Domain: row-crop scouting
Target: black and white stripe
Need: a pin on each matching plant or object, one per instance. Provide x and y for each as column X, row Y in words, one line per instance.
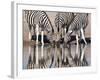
column 63, row 20
column 38, row 17
column 80, row 22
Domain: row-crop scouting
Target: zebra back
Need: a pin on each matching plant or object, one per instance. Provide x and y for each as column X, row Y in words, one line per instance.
column 80, row 21
column 38, row 17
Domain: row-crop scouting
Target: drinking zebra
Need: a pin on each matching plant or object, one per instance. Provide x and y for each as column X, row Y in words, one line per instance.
column 78, row 26
column 40, row 18
column 62, row 22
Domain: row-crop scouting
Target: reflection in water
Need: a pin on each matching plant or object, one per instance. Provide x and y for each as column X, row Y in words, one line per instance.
column 54, row 56
column 53, row 34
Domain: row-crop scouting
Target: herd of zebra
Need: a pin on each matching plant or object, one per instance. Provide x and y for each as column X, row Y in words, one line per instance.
column 66, row 24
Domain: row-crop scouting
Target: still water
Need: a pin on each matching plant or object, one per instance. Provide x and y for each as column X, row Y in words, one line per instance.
column 52, row 56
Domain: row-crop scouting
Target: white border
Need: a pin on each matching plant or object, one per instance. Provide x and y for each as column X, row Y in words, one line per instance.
column 17, row 70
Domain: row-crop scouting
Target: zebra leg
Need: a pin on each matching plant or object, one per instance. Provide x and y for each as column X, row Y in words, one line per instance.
column 76, row 54
column 77, row 45
column 82, row 55
column 83, row 50
column 83, row 37
column 29, row 35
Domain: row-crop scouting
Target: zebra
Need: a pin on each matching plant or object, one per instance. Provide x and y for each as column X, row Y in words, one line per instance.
column 34, row 17
column 79, row 24
column 62, row 22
